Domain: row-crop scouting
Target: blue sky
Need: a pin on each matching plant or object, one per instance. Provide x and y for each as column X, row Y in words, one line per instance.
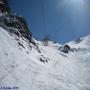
column 62, row 20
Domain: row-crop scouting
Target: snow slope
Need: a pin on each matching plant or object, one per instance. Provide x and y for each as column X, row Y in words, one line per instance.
column 22, row 66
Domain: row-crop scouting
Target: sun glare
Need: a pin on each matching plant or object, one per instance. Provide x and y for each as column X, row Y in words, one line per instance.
column 77, row 4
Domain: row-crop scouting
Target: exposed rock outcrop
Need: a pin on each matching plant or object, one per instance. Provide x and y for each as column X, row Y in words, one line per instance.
column 4, row 7
column 13, row 23
column 65, row 48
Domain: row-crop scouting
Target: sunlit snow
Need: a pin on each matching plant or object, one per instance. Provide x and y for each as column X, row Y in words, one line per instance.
column 24, row 70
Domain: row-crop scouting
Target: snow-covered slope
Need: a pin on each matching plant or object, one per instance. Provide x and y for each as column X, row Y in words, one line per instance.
column 82, row 42
column 22, row 66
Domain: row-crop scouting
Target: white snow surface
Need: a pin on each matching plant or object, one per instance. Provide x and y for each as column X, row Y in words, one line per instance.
column 21, row 67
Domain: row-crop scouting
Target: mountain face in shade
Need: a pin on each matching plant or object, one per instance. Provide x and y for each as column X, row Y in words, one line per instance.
column 12, row 22
column 4, row 7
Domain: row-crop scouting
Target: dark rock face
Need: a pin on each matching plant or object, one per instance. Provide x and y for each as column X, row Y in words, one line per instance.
column 4, row 7
column 13, row 23
column 18, row 23
column 65, row 48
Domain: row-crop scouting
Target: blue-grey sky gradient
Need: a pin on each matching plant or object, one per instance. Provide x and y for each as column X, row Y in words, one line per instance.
column 62, row 20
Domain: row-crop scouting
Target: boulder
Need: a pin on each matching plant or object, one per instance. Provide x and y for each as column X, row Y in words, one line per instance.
column 65, row 48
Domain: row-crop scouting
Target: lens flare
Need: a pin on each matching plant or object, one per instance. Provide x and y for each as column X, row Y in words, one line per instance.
column 77, row 11
column 79, row 4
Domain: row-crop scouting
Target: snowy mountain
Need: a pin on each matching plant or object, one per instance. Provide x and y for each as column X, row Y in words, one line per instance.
column 22, row 66
column 28, row 64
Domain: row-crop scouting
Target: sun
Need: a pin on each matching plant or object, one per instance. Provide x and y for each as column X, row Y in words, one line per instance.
column 76, row 4
column 80, row 2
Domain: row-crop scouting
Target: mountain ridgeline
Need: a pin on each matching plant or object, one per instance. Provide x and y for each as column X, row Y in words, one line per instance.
column 17, row 25
column 13, row 23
